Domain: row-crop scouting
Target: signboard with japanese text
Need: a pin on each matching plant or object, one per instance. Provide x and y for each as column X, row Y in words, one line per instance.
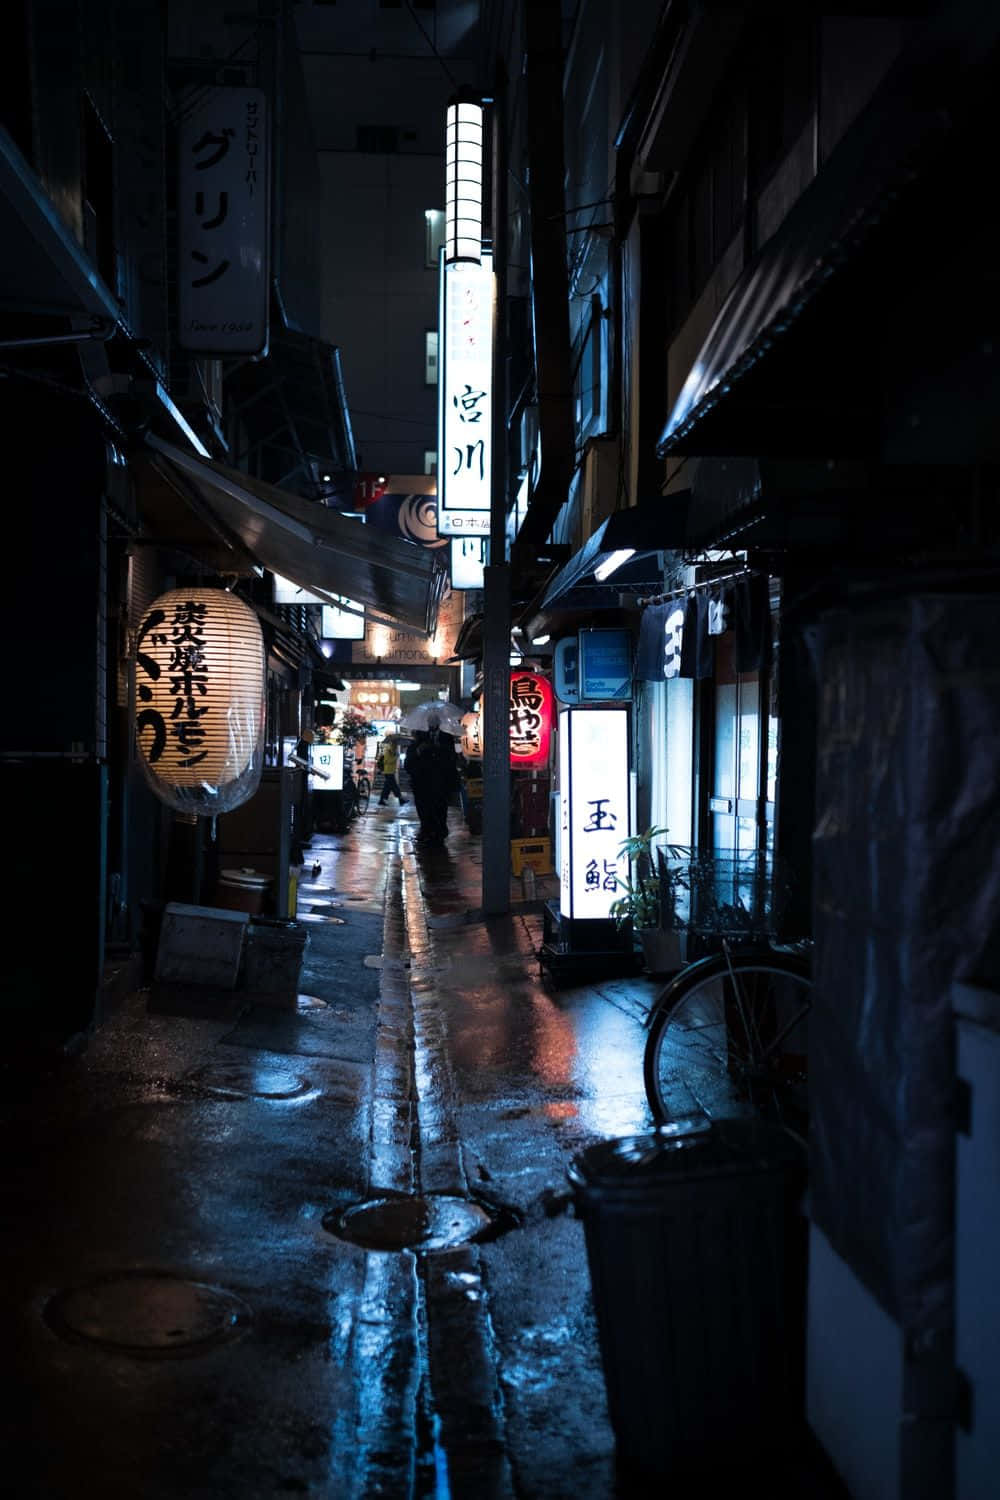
column 222, row 216
column 467, row 557
column 328, row 763
column 594, row 798
column 465, row 398
column 605, row 664
column 531, row 705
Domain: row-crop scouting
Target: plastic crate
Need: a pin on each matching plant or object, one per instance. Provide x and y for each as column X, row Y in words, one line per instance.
column 531, row 854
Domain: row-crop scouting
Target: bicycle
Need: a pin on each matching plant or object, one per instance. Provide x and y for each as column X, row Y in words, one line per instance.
column 730, row 1034
column 357, row 794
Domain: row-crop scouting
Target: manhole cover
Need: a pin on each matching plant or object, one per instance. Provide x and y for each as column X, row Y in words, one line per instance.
column 246, row 1081
column 409, row 1223
column 148, row 1313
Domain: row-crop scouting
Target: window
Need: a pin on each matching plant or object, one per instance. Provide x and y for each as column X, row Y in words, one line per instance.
column 431, row 357
column 433, row 236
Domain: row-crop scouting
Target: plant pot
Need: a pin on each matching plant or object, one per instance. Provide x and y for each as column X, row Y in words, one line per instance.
column 663, row 950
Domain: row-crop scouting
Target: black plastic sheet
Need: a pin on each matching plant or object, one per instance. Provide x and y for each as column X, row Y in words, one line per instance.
column 906, row 901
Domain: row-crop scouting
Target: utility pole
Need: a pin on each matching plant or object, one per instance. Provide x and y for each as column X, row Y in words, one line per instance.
column 496, row 580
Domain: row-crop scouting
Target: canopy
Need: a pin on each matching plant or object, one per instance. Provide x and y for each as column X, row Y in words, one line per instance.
column 322, row 551
column 652, row 527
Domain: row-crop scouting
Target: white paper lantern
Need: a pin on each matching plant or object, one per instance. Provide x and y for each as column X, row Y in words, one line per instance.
column 463, row 234
column 201, row 700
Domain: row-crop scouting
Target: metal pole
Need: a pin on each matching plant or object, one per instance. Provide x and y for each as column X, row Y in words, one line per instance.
column 496, row 581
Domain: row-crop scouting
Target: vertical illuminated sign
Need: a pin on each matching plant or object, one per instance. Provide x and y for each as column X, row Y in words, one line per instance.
column 594, row 802
column 223, row 221
column 530, row 720
column 465, row 399
column 467, row 561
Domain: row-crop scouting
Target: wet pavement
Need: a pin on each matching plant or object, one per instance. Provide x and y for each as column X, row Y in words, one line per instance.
column 195, row 1283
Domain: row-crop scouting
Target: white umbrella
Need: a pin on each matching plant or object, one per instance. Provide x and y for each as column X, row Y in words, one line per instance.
column 449, row 716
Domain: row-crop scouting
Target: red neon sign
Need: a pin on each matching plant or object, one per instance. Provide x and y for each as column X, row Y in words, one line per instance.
column 531, row 709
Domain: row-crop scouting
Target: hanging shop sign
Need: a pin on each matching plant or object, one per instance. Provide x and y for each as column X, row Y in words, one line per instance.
column 327, row 763
column 605, row 664
column 565, row 668
column 287, row 592
column 531, row 707
column 465, row 386
column 467, row 558
column 411, row 514
column 343, row 624
column 222, row 217
column 200, row 700
column 594, row 808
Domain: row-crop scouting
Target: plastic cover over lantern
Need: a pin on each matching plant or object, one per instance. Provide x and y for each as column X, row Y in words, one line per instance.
column 200, row 700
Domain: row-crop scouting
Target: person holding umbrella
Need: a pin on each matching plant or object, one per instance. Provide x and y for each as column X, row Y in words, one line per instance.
column 430, row 765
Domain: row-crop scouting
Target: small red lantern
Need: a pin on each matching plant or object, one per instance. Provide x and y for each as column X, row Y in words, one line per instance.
column 531, row 707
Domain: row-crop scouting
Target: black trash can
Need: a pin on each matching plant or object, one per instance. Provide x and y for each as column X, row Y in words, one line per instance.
column 695, row 1243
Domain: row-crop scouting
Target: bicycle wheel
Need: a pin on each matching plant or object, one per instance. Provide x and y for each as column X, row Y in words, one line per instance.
column 729, row 1036
column 364, row 794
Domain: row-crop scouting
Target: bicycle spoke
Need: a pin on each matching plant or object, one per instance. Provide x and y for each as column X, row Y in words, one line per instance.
column 734, row 1039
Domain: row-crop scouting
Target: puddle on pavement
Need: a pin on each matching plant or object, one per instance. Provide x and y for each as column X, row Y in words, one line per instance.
column 249, row 1081
column 148, row 1313
column 310, row 1002
column 410, row 1223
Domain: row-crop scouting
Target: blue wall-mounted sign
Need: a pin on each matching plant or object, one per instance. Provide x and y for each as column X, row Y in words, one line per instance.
column 605, row 665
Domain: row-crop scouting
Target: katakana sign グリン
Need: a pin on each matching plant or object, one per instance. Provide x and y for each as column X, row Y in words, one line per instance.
column 222, row 217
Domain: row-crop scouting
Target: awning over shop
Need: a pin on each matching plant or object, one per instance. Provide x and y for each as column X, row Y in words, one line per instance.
column 648, row 529
column 43, row 270
column 317, row 548
column 294, row 408
column 755, row 387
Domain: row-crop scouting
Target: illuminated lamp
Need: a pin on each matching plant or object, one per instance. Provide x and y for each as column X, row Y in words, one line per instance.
column 200, row 700
column 463, row 210
column 531, row 711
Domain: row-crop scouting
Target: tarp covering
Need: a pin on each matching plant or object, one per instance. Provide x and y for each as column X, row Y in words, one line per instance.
column 906, row 901
column 315, row 547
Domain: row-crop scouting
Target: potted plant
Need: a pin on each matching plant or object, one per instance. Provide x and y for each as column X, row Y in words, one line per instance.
column 650, row 896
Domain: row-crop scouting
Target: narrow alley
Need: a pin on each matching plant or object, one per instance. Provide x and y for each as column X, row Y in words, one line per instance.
column 180, row 1249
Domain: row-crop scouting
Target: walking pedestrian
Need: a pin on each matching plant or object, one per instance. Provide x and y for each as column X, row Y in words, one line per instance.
column 388, row 764
column 430, row 765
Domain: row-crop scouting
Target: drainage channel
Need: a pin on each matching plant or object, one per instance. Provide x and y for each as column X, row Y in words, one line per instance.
column 429, row 1418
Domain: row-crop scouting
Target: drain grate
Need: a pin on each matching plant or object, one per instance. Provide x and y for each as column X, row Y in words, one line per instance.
column 405, row 1223
column 149, row 1313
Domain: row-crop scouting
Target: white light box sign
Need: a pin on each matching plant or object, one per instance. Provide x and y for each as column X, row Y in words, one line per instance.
column 328, row 759
column 287, row 592
column 594, row 796
column 343, row 624
column 468, row 559
column 465, row 399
